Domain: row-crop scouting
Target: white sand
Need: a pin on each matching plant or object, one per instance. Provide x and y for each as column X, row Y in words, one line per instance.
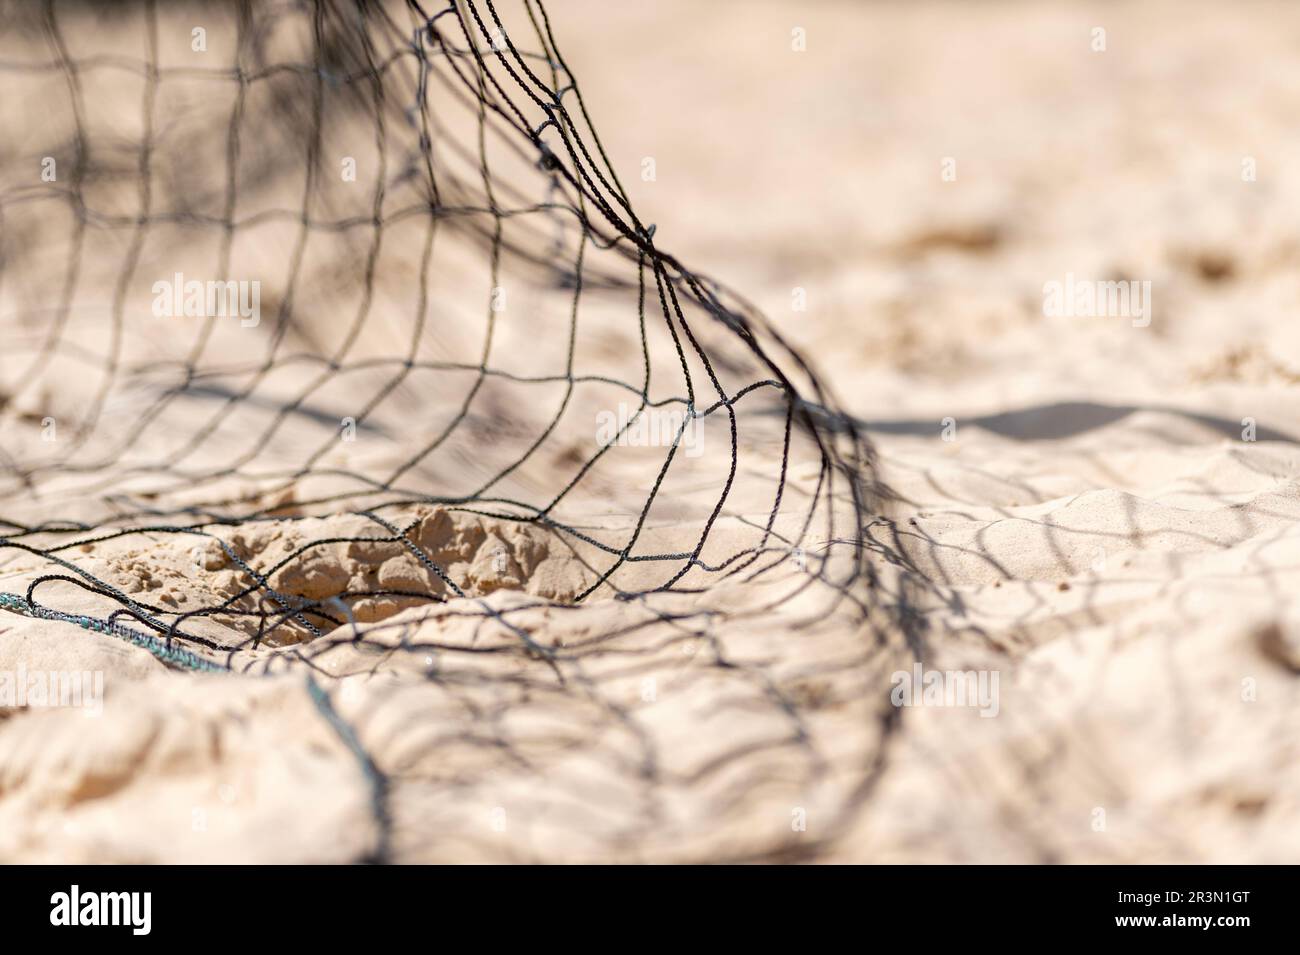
column 1097, row 533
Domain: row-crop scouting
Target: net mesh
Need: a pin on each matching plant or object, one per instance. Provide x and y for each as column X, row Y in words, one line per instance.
column 323, row 315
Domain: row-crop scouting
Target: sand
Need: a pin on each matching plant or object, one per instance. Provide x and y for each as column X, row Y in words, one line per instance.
column 1102, row 513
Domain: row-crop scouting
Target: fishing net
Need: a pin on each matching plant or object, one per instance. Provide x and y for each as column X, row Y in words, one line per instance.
column 321, row 318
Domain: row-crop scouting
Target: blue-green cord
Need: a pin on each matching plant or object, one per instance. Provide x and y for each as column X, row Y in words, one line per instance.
column 378, row 781
column 177, row 657
column 171, row 655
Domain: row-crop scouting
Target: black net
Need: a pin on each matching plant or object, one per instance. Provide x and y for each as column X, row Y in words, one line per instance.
column 318, row 318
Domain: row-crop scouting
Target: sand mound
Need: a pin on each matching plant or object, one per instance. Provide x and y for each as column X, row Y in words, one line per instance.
column 344, row 569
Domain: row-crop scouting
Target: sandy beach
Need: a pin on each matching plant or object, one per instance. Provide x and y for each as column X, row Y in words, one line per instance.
column 445, row 635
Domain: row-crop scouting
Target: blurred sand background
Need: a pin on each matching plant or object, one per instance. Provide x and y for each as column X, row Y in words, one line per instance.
column 1098, row 533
